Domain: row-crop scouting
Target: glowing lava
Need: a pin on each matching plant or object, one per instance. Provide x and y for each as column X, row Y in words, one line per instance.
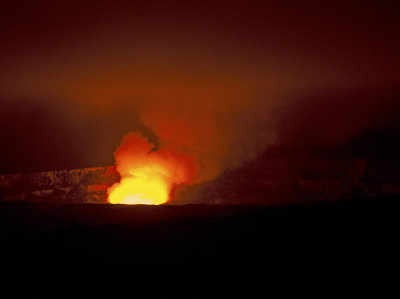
column 148, row 176
column 143, row 187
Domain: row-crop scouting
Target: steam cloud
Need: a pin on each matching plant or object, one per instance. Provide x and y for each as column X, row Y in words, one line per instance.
column 220, row 94
column 137, row 152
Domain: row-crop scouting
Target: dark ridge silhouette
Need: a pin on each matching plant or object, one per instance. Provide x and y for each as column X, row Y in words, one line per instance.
column 323, row 249
column 265, row 180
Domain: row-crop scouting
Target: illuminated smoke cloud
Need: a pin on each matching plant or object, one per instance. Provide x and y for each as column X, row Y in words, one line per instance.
column 148, row 175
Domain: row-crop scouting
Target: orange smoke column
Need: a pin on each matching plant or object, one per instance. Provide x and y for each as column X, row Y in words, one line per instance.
column 148, row 175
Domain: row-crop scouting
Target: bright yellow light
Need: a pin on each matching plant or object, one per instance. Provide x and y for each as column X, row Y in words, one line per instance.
column 147, row 176
column 141, row 189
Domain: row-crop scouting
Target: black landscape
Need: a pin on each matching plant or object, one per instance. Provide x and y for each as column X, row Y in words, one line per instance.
column 335, row 249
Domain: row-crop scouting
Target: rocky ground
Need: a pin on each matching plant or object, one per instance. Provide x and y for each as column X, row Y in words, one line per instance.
column 262, row 181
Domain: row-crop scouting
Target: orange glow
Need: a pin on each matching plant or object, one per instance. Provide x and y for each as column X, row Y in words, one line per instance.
column 145, row 186
column 148, row 176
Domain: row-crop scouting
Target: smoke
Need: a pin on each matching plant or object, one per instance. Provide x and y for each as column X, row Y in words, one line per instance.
column 210, row 107
column 219, row 95
column 136, row 152
column 148, row 175
column 197, row 133
column 217, row 131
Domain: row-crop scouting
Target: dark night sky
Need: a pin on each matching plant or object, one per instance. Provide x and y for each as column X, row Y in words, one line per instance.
column 227, row 80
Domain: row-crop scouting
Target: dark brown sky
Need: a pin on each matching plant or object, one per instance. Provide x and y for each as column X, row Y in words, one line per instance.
column 225, row 79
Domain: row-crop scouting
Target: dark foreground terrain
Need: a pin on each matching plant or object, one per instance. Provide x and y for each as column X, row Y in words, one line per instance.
column 334, row 249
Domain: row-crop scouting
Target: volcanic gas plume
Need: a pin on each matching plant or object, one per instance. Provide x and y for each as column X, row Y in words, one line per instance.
column 210, row 86
column 148, row 175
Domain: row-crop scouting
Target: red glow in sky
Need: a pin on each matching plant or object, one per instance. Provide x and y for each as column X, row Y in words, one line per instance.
column 220, row 81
